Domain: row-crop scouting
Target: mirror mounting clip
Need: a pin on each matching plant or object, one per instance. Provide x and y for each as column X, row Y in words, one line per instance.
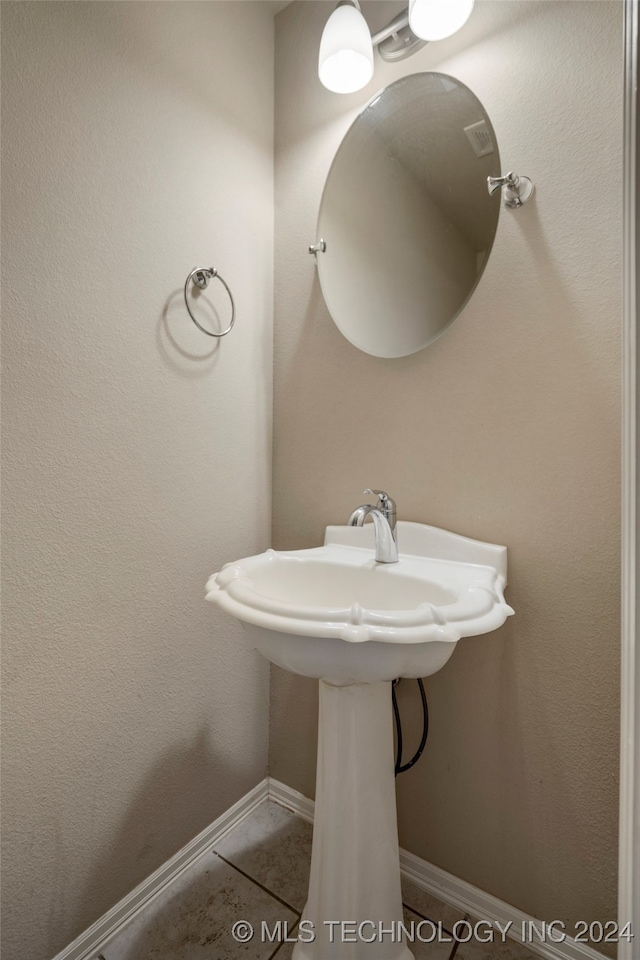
column 517, row 190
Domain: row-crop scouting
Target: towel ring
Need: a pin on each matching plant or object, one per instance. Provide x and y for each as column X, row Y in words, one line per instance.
column 201, row 277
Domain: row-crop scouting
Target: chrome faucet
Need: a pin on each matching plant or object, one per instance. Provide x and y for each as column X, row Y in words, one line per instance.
column 384, row 521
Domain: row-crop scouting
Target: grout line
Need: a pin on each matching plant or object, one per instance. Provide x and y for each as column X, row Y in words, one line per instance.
column 453, row 952
column 423, row 917
column 282, row 943
column 262, row 886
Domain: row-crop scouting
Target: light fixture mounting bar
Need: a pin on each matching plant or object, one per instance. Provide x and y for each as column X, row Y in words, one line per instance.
column 397, row 40
column 402, row 20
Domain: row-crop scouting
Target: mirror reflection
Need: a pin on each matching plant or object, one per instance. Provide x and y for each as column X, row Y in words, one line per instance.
column 406, row 216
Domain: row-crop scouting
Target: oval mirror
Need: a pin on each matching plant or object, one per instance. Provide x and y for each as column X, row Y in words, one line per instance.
column 406, row 216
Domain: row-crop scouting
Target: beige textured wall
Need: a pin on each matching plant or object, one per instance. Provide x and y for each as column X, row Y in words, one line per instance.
column 506, row 429
column 138, row 141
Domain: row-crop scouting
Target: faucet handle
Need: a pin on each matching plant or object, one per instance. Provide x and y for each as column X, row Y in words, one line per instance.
column 386, row 504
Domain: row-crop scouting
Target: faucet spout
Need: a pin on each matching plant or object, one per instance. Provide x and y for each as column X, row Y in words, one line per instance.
column 384, row 521
column 359, row 515
column 386, row 546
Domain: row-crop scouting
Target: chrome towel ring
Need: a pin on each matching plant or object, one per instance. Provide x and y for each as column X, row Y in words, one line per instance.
column 201, row 277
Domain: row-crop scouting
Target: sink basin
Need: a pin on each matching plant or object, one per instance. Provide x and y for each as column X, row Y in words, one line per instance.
column 333, row 613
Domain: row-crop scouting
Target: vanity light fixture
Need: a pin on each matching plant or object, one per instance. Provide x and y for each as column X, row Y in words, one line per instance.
column 437, row 19
column 345, row 63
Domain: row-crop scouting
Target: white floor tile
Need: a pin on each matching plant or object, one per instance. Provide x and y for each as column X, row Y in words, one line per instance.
column 429, row 906
column 192, row 919
column 438, row 949
column 286, row 950
column 477, row 950
column 273, row 846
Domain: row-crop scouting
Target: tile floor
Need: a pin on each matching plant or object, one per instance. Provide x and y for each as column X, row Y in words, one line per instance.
column 259, row 872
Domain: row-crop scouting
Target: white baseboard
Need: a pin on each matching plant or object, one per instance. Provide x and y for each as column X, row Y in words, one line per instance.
column 90, row 943
column 439, row 883
column 457, row 893
column 290, row 798
column 482, row 906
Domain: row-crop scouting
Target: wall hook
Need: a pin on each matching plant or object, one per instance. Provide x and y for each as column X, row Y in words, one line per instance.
column 517, row 190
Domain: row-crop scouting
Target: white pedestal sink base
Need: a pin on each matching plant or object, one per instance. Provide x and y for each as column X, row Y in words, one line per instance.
column 333, row 613
column 355, row 867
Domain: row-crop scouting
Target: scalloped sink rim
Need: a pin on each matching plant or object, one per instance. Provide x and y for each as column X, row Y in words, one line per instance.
column 472, row 573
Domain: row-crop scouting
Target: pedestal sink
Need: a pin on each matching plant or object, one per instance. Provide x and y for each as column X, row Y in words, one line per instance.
column 333, row 613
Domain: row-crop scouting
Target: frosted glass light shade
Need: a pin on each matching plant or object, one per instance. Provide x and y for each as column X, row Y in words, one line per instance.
column 437, row 19
column 345, row 63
